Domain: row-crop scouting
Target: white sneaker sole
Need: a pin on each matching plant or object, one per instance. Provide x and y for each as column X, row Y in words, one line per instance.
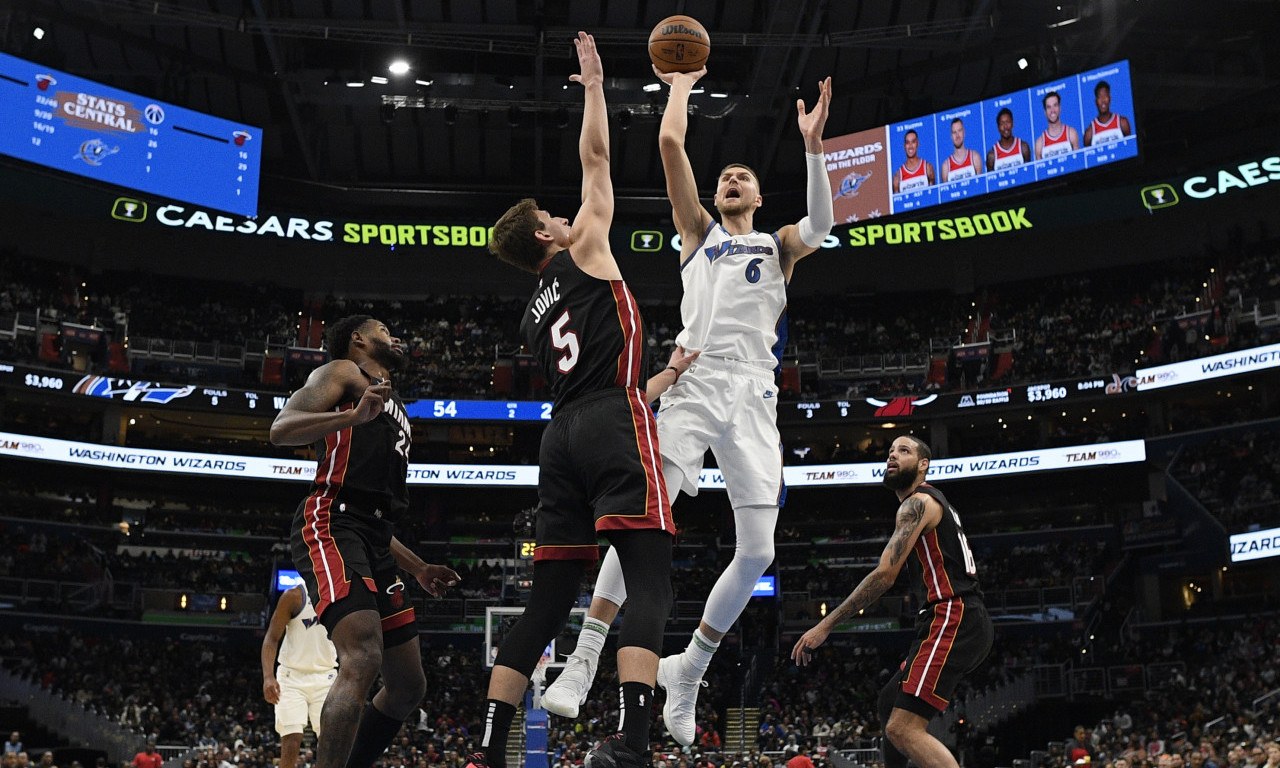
column 662, row 680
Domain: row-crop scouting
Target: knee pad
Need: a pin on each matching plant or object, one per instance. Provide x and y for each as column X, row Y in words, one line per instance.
column 646, row 563
column 555, row 590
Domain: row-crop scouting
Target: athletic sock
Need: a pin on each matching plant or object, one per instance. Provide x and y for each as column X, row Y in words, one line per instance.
column 633, row 717
column 375, row 732
column 497, row 725
column 591, row 639
column 697, row 656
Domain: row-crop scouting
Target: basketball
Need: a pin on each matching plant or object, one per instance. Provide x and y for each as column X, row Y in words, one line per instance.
column 679, row 44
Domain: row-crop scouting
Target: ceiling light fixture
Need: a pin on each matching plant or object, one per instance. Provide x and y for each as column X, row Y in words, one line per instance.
column 398, row 67
column 378, row 80
column 355, row 83
column 38, row 33
column 651, row 87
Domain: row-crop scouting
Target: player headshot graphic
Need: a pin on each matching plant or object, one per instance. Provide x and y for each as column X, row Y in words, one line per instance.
column 916, row 172
column 963, row 163
column 1057, row 139
column 1009, row 151
column 1107, row 127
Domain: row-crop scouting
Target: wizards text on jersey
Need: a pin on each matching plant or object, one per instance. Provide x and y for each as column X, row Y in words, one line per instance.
column 730, row 248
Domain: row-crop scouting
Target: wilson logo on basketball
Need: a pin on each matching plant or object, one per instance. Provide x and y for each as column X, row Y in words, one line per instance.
column 680, row 29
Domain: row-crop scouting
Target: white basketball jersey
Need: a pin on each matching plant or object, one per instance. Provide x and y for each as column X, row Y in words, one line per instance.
column 1108, row 132
column 306, row 647
column 735, row 297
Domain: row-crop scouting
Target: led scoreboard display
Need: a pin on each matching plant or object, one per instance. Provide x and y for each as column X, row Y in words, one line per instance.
column 1059, row 127
column 91, row 130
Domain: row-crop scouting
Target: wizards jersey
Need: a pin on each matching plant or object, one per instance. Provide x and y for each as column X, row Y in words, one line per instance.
column 306, row 647
column 735, row 298
column 585, row 332
column 1108, row 132
column 966, row 170
column 909, row 180
column 1008, row 158
column 1051, row 146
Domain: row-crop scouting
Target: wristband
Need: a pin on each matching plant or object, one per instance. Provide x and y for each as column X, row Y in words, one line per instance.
column 673, row 368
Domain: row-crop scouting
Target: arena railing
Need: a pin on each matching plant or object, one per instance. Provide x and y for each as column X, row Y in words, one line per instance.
column 70, row 720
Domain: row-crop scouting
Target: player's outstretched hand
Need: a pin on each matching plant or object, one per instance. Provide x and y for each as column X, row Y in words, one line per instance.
column 372, row 401
column 682, row 358
column 812, row 123
column 802, row 653
column 670, row 78
column 437, row 579
column 588, row 61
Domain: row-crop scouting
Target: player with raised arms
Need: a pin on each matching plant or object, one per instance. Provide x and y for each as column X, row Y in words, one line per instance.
column 734, row 313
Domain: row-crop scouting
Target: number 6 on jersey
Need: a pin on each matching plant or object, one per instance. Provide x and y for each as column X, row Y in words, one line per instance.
column 565, row 341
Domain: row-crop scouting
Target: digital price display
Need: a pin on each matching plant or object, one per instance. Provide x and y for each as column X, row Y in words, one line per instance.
column 1044, row 132
column 92, row 130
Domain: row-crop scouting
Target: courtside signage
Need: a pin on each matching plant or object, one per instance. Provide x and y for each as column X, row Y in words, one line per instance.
column 1255, row 545
column 523, row 476
column 1204, row 368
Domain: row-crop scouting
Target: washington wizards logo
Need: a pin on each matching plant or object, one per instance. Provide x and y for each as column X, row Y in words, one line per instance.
column 850, row 184
column 94, row 151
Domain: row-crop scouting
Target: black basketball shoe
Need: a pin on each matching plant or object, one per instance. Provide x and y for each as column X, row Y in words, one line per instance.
column 613, row 752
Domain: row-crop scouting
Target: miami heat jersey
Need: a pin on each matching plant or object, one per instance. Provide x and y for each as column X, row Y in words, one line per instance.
column 909, row 180
column 366, row 464
column 1008, row 158
column 966, row 170
column 585, row 332
column 735, row 297
column 1108, row 132
column 1052, row 147
column 306, row 647
column 942, row 566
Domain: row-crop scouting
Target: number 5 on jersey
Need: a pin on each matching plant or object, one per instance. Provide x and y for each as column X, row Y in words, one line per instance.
column 565, row 341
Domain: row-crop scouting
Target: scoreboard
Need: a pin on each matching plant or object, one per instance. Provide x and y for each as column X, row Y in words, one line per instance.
column 97, row 132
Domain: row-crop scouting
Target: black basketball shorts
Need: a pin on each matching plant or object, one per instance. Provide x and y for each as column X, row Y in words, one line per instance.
column 347, row 566
column 952, row 638
column 599, row 470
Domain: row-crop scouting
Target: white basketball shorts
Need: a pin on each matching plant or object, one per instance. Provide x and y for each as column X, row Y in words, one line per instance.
column 731, row 408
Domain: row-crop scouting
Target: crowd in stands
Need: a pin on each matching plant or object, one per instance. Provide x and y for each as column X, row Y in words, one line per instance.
column 1093, row 324
column 1236, row 478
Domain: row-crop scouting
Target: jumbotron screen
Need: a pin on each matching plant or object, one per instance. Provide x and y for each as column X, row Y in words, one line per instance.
column 1059, row 127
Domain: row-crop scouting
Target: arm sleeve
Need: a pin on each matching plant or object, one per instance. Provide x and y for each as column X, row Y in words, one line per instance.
column 815, row 227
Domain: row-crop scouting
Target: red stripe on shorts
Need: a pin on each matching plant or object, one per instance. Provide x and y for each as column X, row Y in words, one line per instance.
column 922, row 677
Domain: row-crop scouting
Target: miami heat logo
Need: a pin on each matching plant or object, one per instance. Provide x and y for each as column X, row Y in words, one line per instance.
column 900, row 406
column 396, row 591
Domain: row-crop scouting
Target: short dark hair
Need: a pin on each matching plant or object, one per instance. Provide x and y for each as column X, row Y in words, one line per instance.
column 910, row 132
column 1004, row 111
column 922, row 447
column 749, row 169
column 957, row 120
column 337, row 337
column 1045, row 101
column 513, row 238
column 1101, row 84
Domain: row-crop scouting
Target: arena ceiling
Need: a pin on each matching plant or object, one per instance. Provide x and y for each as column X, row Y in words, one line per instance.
column 484, row 109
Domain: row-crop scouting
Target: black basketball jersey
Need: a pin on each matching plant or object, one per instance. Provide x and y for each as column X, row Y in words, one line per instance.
column 585, row 332
column 943, row 565
column 367, row 464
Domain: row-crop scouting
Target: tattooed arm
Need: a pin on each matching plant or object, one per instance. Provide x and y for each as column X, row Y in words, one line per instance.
column 309, row 415
column 918, row 513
